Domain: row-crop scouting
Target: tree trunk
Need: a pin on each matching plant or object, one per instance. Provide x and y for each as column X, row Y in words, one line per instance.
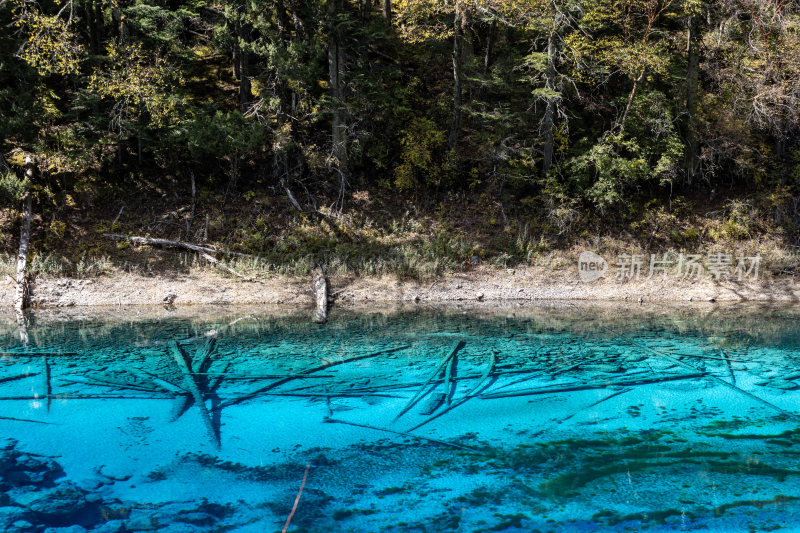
column 548, row 121
column 457, row 77
column 336, row 62
column 22, row 328
column 692, row 88
column 387, row 10
column 99, row 22
column 487, row 58
column 629, row 105
column 91, row 26
column 321, row 294
column 241, row 63
column 119, row 24
column 280, row 18
column 21, row 300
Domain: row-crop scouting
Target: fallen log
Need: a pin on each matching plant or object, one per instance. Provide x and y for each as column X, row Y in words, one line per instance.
column 67, row 396
column 174, row 244
column 403, row 433
column 202, row 354
column 18, row 376
column 471, row 394
column 219, row 264
column 720, row 381
column 191, row 385
column 14, row 419
column 38, row 354
column 590, row 386
column 421, row 392
column 164, row 384
column 253, row 394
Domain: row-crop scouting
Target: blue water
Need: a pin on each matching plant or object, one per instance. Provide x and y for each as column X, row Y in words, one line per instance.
column 551, row 418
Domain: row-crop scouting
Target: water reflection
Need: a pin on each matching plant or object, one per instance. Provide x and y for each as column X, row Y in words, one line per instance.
column 529, row 418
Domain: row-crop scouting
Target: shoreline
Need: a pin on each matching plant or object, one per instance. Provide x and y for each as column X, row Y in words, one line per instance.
column 482, row 284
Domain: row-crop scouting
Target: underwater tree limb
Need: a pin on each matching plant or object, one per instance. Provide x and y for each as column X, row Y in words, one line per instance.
column 590, row 386
column 191, row 385
column 403, row 433
column 297, row 499
column 719, row 380
column 18, row 376
column 255, row 393
column 14, row 419
column 421, row 392
column 467, row 397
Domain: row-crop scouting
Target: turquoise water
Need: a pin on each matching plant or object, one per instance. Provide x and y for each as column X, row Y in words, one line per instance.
column 553, row 418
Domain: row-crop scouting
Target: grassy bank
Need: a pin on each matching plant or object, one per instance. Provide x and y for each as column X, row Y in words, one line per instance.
column 376, row 234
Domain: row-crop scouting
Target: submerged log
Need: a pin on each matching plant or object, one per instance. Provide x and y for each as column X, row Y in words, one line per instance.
column 274, row 384
column 421, row 392
column 722, row 382
column 190, row 384
column 18, row 376
column 468, row 396
column 321, row 294
column 591, row 386
column 330, row 420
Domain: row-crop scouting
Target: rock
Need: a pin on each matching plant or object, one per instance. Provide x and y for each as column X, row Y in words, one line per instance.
column 61, row 505
column 180, row 527
column 90, row 484
column 112, row 526
column 169, row 298
column 93, row 497
column 70, row 529
column 140, row 521
column 417, row 298
column 475, row 260
column 22, row 524
column 8, row 516
column 783, row 384
column 479, row 296
column 8, row 455
column 196, row 518
column 711, row 299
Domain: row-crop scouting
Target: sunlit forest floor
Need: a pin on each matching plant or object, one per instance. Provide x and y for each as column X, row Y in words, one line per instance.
column 377, row 234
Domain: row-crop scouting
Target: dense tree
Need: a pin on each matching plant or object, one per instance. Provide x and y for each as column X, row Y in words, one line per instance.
column 555, row 102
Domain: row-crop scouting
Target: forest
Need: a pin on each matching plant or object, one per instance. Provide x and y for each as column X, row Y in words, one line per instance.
column 398, row 136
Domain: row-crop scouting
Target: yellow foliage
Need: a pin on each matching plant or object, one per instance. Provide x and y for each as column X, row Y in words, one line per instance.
column 51, row 46
column 137, row 82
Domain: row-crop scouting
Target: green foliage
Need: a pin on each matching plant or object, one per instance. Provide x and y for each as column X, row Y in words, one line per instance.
column 568, row 109
column 612, row 165
column 223, row 133
column 12, row 188
column 422, row 142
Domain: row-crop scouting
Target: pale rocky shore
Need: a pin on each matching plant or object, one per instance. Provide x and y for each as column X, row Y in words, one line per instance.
column 479, row 284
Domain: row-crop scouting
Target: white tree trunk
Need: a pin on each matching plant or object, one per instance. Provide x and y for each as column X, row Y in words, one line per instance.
column 21, row 299
column 321, row 295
